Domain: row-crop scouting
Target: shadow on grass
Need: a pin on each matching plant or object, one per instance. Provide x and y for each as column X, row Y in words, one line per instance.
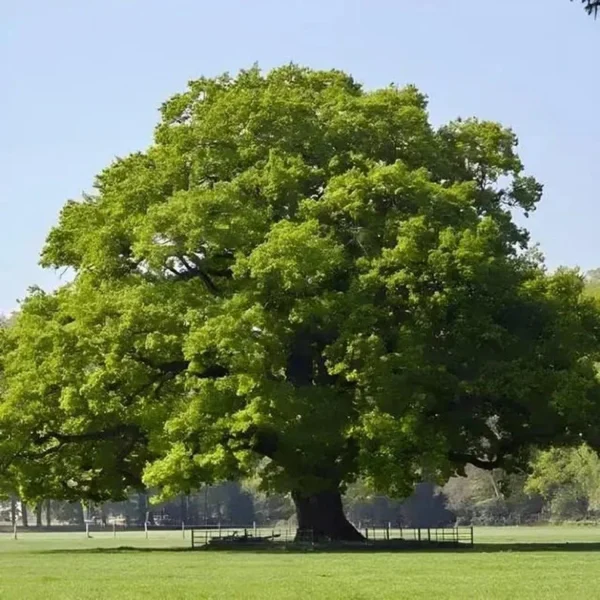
column 117, row 550
column 370, row 549
column 537, row 547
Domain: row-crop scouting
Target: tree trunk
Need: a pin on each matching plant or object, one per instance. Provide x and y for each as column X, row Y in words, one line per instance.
column 79, row 517
column 48, row 513
column 13, row 510
column 142, row 508
column 183, row 508
column 38, row 514
column 24, row 518
column 321, row 517
column 103, row 514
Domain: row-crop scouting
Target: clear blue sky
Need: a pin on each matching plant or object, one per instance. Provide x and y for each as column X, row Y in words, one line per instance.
column 81, row 82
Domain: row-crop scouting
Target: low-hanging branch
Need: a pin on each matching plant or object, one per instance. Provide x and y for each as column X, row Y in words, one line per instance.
column 481, row 463
column 504, row 448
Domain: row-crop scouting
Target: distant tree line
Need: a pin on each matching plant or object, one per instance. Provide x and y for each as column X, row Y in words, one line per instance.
column 562, row 486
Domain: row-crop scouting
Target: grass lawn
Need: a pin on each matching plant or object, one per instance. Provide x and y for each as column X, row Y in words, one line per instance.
column 69, row 566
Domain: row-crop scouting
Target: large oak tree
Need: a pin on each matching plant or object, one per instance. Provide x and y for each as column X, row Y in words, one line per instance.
column 300, row 281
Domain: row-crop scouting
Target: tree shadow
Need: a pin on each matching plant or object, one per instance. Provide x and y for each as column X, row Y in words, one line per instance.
column 537, row 547
column 117, row 550
column 347, row 549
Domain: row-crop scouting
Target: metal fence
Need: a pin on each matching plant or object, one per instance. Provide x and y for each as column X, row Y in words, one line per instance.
column 238, row 537
column 216, row 536
column 89, row 530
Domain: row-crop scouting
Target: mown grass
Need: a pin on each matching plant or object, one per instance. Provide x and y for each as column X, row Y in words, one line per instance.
column 504, row 565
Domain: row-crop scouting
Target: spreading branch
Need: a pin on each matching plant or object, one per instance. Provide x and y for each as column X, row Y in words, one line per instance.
column 175, row 367
column 196, row 269
column 120, row 431
column 124, row 431
column 258, row 439
column 504, row 449
column 481, row 463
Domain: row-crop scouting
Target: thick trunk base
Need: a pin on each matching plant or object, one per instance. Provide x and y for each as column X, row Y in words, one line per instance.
column 321, row 518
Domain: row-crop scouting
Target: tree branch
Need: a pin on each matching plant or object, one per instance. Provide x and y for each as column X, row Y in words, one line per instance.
column 487, row 464
column 260, row 440
column 192, row 274
column 133, row 432
column 504, row 448
column 123, row 430
column 176, row 367
column 193, row 271
column 173, row 367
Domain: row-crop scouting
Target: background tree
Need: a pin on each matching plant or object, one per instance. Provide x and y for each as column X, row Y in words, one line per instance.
column 425, row 507
column 569, row 479
column 492, row 498
column 302, row 282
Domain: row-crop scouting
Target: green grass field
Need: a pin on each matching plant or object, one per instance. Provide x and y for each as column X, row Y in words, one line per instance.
column 505, row 564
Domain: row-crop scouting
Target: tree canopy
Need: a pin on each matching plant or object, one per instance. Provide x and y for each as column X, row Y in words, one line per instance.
column 299, row 281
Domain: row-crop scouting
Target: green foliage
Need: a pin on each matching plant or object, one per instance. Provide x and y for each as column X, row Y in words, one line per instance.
column 592, row 284
column 569, row 478
column 300, row 281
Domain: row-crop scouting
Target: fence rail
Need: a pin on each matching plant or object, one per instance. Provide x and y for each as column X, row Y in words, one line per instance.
column 92, row 528
column 231, row 537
